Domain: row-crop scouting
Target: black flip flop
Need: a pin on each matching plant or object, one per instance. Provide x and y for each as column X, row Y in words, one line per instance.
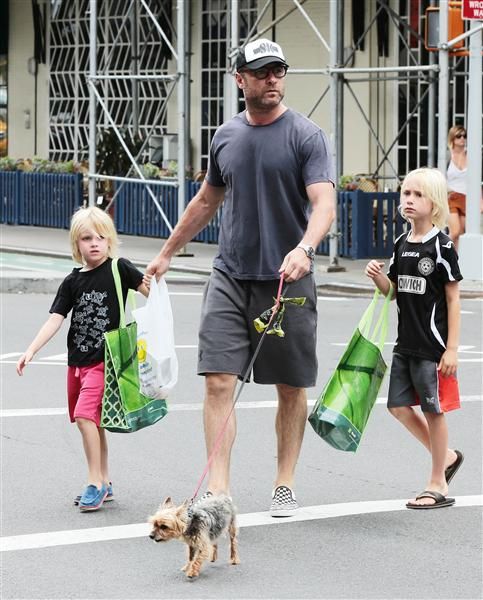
column 440, row 501
column 453, row 469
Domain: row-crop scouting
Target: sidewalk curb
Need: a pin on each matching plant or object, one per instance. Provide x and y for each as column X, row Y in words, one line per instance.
column 50, row 285
column 35, row 284
column 137, row 262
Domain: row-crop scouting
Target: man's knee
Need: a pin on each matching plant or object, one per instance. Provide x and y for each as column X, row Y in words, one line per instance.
column 290, row 393
column 219, row 386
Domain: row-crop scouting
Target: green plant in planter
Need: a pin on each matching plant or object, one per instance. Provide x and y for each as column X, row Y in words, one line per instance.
column 151, row 171
column 8, row 164
column 111, row 158
column 172, row 170
column 347, row 183
column 38, row 165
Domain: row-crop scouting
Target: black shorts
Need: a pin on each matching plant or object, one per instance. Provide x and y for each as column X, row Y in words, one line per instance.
column 228, row 338
column 417, row 381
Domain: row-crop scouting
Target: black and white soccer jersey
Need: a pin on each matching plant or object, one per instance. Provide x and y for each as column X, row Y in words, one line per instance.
column 421, row 270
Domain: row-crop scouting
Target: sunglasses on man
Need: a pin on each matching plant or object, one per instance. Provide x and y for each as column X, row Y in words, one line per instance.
column 278, row 71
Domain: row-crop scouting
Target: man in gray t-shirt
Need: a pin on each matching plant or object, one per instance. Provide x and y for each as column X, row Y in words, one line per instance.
column 265, row 170
column 271, row 169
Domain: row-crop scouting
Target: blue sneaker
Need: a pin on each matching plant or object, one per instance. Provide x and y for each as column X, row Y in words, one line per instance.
column 108, row 498
column 93, row 498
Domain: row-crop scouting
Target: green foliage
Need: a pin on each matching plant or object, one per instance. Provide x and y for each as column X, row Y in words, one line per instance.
column 151, row 171
column 39, row 165
column 111, row 158
column 347, row 182
column 8, row 164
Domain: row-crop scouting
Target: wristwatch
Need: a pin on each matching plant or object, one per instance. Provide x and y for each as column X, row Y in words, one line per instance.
column 309, row 251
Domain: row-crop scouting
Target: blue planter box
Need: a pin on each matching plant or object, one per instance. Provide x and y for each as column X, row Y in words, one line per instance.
column 368, row 222
column 9, row 197
column 135, row 212
column 42, row 199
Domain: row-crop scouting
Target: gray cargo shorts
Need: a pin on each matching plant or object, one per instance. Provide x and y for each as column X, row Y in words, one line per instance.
column 228, row 339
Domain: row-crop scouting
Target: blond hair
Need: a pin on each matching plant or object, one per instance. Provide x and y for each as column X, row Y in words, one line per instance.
column 95, row 219
column 453, row 132
column 433, row 186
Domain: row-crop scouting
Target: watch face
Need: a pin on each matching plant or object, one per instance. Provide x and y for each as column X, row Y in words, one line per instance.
column 311, row 253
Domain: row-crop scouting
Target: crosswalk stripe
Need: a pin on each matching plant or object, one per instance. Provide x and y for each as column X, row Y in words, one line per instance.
column 33, row 541
column 173, row 407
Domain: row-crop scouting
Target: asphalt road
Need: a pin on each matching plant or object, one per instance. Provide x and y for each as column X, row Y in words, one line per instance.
column 355, row 541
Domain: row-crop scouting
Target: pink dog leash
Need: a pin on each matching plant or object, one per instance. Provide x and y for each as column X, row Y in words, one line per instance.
column 219, row 437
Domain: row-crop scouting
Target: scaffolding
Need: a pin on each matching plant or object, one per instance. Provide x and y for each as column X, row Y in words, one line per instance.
column 432, row 79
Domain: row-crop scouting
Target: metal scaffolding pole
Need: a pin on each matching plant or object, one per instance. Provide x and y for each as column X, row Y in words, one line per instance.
column 335, row 124
column 181, row 109
column 443, row 86
column 135, row 68
column 235, row 42
column 471, row 243
column 92, row 99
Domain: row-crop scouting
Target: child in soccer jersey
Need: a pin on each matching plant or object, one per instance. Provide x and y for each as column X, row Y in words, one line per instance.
column 90, row 292
column 424, row 274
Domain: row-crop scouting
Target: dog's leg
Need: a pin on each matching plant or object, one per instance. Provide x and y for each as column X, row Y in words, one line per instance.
column 214, row 554
column 234, row 557
column 201, row 553
column 193, row 568
column 190, row 558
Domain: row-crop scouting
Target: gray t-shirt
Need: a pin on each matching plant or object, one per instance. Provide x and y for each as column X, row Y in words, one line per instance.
column 265, row 170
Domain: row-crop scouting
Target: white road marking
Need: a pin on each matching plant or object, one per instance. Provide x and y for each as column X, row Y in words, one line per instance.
column 325, row 298
column 33, row 541
column 10, row 355
column 36, row 362
column 49, row 412
column 32, row 412
column 345, row 343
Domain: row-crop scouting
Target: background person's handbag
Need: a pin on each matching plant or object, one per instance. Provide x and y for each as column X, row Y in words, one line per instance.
column 342, row 410
column 158, row 364
column 124, row 408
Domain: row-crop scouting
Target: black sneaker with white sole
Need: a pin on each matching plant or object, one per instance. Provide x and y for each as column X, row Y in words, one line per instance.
column 283, row 503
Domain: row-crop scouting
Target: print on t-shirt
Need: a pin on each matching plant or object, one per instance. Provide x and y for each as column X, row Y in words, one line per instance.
column 90, row 321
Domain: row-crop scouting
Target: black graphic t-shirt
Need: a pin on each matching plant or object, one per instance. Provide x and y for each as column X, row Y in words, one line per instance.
column 91, row 295
column 421, row 270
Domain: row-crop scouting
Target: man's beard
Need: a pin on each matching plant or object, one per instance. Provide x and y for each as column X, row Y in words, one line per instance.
column 264, row 103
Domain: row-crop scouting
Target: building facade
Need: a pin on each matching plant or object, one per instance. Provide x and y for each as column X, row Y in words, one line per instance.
column 388, row 117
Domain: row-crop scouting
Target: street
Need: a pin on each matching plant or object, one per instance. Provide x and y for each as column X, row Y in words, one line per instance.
column 353, row 538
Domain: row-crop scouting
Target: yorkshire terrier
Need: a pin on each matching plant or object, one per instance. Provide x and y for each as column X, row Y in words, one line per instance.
column 200, row 529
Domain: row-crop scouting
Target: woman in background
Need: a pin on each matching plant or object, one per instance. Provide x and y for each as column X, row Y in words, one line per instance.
column 456, row 178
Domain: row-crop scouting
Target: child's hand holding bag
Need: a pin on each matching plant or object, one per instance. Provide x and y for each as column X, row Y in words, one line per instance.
column 158, row 364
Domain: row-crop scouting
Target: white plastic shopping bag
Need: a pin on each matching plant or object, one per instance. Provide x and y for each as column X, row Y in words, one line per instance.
column 158, row 364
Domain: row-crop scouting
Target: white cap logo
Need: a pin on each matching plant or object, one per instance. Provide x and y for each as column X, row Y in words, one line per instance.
column 263, row 49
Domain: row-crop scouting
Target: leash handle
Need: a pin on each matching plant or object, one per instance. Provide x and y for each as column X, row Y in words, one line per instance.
column 221, row 433
column 279, row 293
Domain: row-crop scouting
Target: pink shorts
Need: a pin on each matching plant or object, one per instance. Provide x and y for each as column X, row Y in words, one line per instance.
column 85, row 388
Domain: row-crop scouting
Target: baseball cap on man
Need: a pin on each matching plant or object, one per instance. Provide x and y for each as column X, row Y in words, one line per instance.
column 259, row 53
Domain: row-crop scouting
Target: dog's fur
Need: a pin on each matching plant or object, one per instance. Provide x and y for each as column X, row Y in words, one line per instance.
column 209, row 518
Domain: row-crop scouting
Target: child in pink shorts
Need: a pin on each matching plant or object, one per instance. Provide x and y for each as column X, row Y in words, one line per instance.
column 90, row 293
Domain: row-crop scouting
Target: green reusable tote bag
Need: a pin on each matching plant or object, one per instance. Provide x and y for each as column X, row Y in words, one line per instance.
column 342, row 410
column 124, row 408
